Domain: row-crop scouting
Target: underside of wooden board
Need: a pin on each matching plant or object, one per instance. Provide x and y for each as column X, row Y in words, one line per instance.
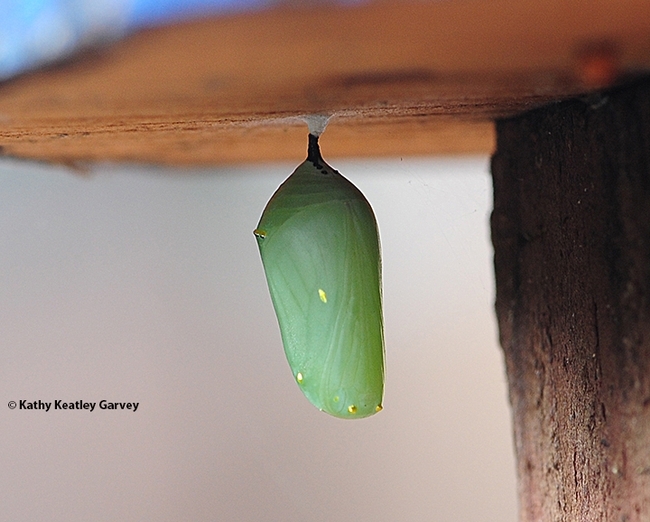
column 401, row 78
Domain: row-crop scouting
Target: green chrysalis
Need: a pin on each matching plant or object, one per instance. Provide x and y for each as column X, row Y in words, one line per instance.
column 319, row 244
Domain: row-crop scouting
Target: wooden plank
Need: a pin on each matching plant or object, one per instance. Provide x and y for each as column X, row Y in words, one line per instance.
column 570, row 230
column 403, row 78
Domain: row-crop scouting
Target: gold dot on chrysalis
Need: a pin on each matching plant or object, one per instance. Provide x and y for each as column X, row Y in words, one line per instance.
column 259, row 233
column 379, row 407
column 352, row 409
column 336, row 398
column 322, row 295
column 299, row 377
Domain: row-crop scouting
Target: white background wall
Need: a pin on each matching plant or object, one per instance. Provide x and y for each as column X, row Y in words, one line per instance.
column 145, row 285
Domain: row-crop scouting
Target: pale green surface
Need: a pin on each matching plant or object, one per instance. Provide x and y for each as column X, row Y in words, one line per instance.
column 320, row 247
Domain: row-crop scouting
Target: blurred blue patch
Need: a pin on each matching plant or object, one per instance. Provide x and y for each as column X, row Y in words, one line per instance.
column 149, row 12
column 37, row 32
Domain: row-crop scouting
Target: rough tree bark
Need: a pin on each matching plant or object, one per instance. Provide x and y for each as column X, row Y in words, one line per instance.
column 571, row 233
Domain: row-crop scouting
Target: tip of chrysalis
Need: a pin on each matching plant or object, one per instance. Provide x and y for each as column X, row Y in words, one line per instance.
column 313, row 151
column 316, row 123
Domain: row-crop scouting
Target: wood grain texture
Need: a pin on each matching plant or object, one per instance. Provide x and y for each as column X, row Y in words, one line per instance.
column 403, row 78
column 571, row 229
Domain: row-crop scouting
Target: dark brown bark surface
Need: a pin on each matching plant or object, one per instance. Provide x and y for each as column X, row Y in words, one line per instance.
column 571, row 232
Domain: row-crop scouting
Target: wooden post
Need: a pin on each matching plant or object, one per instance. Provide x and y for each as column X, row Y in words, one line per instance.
column 571, row 233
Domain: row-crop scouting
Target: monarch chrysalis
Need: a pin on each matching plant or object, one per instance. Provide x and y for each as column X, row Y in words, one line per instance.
column 319, row 244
